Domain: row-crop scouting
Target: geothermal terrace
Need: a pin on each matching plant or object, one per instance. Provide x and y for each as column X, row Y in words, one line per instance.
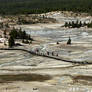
column 21, row 71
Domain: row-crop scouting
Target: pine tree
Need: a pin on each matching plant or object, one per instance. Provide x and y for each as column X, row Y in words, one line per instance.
column 70, row 24
column 4, row 33
column 66, row 24
column 73, row 24
column 69, row 41
column 80, row 24
column 11, row 41
column 24, row 35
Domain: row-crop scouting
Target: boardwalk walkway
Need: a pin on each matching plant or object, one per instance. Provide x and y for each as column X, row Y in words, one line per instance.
column 48, row 56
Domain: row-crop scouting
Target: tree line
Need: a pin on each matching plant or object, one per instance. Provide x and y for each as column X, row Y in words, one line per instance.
column 19, row 34
column 43, row 6
column 77, row 24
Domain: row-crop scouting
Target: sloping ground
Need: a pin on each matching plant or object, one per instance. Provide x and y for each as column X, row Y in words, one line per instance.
column 17, row 67
column 35, row 73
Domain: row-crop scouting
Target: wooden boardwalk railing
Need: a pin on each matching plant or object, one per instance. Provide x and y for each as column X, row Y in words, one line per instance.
column 48, row 56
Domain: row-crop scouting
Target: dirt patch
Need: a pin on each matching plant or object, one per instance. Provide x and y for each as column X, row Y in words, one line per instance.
column 83, row 79
column 24, row 77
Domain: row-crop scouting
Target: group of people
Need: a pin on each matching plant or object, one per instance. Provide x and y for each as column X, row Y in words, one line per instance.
column 47, row 53
column 52, row 53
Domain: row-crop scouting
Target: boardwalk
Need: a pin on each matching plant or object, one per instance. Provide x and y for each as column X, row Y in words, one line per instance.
column 47, row 55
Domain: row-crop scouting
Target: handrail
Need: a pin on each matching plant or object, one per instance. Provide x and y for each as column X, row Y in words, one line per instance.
column 48, row 56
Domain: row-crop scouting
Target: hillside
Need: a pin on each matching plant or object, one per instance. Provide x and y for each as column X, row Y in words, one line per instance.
column 40, row 6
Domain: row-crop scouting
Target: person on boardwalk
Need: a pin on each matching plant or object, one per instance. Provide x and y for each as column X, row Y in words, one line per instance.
column 52, row 53
column 48, row 53
column 37, row 50
column 57, row 54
